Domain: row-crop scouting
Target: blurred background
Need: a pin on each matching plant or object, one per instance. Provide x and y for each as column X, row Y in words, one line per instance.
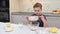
column 20, row 8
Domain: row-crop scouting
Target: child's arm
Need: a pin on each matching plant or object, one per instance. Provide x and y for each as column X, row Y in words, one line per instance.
column 27, row 19
column 44, row 20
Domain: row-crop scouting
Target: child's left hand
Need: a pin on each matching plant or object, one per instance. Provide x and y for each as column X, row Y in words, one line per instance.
column 44, row 20
column 42, row 17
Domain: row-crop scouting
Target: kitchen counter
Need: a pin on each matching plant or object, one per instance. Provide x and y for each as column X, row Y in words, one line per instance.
column 30, row 13
column 24, row 29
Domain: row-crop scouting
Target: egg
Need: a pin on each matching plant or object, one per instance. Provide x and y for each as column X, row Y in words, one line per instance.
column 53, row 29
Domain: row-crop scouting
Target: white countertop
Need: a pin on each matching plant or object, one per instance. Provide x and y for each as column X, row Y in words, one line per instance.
column 52, row 14
column 16, row 29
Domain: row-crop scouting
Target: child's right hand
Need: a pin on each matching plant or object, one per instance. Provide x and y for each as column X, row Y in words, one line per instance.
column 26, row 16
column 27, row 19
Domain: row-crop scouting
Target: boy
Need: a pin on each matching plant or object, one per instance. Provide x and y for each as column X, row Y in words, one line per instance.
column 38, row 12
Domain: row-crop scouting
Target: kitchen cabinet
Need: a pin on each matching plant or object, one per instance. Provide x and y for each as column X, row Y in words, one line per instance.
column 52, row 20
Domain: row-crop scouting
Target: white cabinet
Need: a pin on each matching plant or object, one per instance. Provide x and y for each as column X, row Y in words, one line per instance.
column 54, row 21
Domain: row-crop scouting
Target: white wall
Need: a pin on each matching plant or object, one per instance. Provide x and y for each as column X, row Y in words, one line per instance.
column 14, row 5
column 27, row 5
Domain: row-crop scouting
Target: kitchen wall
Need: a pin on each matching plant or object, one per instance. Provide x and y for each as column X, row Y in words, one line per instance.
column 14, row 6
column 26, row 5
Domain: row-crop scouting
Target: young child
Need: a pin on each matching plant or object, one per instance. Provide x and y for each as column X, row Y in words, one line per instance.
column 38, row 12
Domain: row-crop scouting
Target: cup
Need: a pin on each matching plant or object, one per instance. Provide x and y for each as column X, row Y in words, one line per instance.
column 34, row 26
column 8, row 27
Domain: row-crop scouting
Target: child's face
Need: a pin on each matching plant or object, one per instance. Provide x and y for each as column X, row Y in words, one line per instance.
column 37, row 10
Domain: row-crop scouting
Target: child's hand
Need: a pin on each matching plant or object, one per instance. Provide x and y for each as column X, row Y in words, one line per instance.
column 42, row 17
column 44, row 20
column 26, row 18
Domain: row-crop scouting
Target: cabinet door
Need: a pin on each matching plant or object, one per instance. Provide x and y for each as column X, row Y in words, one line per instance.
column 54, row 21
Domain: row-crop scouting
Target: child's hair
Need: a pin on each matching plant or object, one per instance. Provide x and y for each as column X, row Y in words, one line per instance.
column 38, row 5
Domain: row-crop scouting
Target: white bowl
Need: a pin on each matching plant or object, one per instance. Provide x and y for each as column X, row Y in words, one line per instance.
column 33, row 28
column 33, row 18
